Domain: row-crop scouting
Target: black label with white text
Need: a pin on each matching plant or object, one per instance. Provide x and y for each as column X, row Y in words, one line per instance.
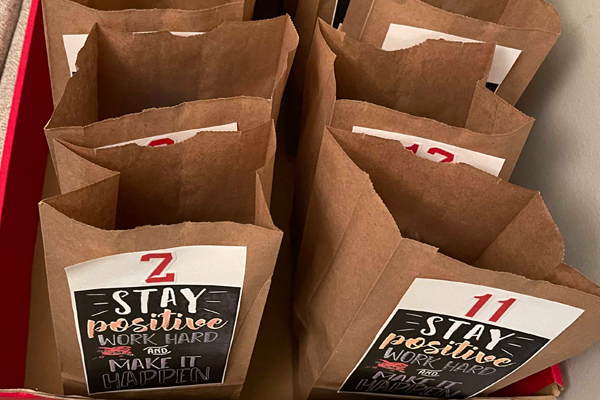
column 148, row 337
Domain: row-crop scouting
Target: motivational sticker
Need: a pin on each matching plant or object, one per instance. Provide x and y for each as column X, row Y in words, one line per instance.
column 157, row 319
column 174, row 137
column 438, row 151
column 73, row 43
column 403, row 36
column 453, row 340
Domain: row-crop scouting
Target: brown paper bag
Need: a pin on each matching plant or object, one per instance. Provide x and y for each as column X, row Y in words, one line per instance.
column 148, row 127
column 67, row 22
column 409, row 269
column 524, row 30
column 492, row 140
column 134, row 220
column 445, row 102
column 122, row 73
column 305, row 19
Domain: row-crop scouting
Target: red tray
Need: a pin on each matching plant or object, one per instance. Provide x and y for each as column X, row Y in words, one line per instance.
column 21, row 179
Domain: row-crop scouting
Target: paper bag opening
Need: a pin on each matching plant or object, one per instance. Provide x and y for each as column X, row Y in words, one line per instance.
column 353, row 254
column 178, row 183
column 114, row 5
column 132, row 72
column 214, row 114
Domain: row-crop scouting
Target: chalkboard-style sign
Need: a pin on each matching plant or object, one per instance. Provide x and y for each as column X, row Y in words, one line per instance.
column 453, row 340
column 157, row 319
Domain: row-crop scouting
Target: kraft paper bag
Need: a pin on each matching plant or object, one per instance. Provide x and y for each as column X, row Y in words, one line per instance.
column 67, row 23
column 425, row 279
column 167, row 125
column 159, row 262
column 523, row 30
column 121, row 73
column 431, row 97
column 119, row 5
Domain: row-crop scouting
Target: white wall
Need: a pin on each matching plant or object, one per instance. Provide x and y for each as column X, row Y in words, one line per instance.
column 562, row 157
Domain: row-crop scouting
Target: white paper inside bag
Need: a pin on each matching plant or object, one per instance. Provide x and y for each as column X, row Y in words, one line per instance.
column 438, row 151
column 73, row 43
column 175, row 137
column 402, row 37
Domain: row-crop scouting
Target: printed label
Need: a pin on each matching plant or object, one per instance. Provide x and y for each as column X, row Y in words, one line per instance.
column 403, row 37
column 157, row 319
column 453, row 340
column 438, row 151
column 74, row 43
column 174, row 137
column 339, row 12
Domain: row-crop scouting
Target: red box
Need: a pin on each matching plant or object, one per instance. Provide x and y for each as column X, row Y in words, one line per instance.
column 22, row 174
column 21, row 180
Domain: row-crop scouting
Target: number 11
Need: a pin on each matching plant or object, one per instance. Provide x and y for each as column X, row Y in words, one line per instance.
column 482, row 300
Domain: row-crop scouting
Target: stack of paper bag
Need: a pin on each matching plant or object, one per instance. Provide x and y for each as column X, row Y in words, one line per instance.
column 68, row 22
column 426, row 279
column 128, row 85
column 524, row 31
column 160, row 250
column 159, row 261
column 430, row 97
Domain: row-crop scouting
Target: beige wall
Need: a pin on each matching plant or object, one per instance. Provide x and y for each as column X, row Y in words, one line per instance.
column 562, row 157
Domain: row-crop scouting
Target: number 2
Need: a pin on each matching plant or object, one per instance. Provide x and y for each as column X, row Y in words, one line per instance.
column 482, row 300
column 156, row 276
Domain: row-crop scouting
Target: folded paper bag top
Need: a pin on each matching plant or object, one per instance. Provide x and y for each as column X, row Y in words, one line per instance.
column 186, row 118
column 529, row 25
column 121, row 73
column 490, row 143
column 524, row 31
column 437, row 80
column 112, row 5
column 67, row 23
column 168, row 228
column 368, row 269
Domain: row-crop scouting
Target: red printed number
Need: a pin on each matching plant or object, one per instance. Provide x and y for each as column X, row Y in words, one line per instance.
column 159, row 275
column 436, row 150
column 482, row 300
column 448, row 157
